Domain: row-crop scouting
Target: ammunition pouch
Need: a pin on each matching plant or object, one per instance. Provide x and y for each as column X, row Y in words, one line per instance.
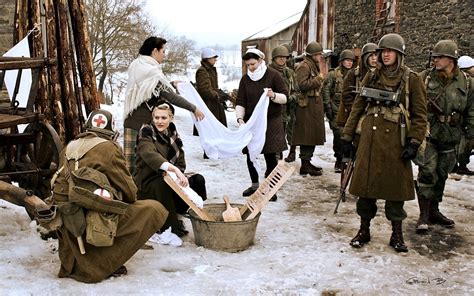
column 85, row 182
column 302, row 100
column 391, row 114
column 379, row 95
column 101, row 228
column 453, row 119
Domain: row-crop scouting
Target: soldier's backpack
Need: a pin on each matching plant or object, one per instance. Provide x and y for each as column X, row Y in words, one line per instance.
column 91, row 190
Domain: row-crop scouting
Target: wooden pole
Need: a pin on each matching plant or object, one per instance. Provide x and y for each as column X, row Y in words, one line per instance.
column 84, row 57
column 19, row 197
column 65, row 57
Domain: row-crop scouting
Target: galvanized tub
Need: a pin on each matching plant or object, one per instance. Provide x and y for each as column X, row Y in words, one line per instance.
column 223, row 236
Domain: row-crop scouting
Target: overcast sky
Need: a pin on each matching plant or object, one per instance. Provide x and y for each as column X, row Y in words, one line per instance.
column 224, row 22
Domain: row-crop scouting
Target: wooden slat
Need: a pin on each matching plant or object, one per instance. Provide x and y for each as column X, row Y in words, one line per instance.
column 255, row 203
column 202, row 213
column 7, row 120
column 14, row 63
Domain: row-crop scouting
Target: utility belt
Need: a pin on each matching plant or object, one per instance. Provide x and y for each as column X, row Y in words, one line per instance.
column 453, row 119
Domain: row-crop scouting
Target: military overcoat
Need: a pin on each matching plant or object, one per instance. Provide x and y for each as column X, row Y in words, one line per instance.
column 309, row 125
column 379, row 170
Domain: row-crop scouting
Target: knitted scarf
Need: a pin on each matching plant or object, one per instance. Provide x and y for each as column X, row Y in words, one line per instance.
column 144, row 74
column 169, row 137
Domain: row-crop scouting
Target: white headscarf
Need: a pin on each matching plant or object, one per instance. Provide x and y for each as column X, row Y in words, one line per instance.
column 144, row 73
column 259, row 72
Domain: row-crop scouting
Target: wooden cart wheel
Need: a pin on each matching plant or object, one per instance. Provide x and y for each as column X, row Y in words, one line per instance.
column 43, row 155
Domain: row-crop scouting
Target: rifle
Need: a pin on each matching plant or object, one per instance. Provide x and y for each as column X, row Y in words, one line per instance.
column 347, row 169
column 428, row 66
column 224, row 97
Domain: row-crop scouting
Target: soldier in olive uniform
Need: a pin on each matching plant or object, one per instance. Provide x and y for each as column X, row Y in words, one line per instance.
column 353, row 80
column 332, row 90
column 392, row 95
column 309, row 125
column 207, row 84
column 279, row 57
column 139, row 222
column 450, row 96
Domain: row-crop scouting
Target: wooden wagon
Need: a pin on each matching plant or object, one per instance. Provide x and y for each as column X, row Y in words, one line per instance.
column 28, row 156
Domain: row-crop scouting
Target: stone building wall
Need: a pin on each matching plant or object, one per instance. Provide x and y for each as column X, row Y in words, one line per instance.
column 353, row 24
column 7, row 14
column 422, row 24
column 425, row 22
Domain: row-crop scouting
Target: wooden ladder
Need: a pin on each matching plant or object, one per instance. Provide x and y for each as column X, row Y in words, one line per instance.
column 380, row 21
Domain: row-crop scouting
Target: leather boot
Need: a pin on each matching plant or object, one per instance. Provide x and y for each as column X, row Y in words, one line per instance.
column 396, row 240
column 422, row 226
column 338, row 165
column 435, row 216
column 291, row 155
column 363, row 235
column 308, row 168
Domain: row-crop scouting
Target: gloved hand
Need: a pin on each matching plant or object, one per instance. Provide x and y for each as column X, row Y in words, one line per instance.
column 347, row 148
column 410, row 150
column 329, row 115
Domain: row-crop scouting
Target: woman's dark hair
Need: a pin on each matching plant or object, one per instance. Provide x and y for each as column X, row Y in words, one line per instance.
column 250, row 55
column 151, row 43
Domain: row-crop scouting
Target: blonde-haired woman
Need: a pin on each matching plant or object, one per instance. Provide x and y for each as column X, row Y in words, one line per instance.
column 160, row 149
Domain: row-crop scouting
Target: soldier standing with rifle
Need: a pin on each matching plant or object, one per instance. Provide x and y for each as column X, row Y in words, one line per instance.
column 450, row 96
column 390, row 97
column 332, row 91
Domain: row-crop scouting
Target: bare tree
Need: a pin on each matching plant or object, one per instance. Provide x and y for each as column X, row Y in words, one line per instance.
column 179, row 55
column 117, row 30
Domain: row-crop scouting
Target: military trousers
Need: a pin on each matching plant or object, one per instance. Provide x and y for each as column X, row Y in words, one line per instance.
column 434, row 166
column 306, row 152
column 289, row 121
column 463, row 151
column 336, row 141
column 367, row 208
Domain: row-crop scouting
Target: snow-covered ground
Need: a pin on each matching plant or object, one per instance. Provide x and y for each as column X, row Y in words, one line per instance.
column 301, row 247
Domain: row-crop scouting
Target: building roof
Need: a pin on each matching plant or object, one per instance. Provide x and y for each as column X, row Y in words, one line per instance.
column 276, row 28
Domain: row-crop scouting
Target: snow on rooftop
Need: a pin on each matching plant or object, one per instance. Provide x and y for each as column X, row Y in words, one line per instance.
column 278, row 27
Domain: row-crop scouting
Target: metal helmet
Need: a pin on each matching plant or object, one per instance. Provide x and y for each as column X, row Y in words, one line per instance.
column 369, row 48
column 313, row 48
column 101, row 122
column 288, row 47
column 346, row 54
column 447, row 48
column 280, row 51
column 392, row 41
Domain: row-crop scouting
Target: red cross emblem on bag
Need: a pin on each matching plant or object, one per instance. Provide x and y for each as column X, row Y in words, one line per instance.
column 102, row 193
